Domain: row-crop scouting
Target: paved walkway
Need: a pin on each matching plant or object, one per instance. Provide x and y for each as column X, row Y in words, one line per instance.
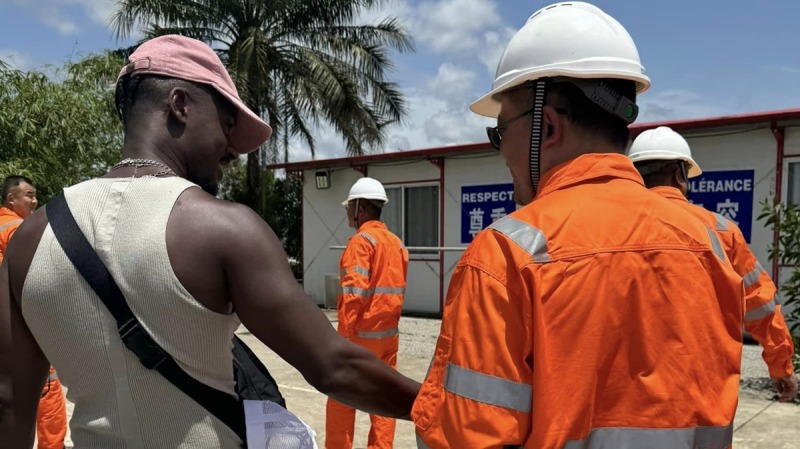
column 760, row 422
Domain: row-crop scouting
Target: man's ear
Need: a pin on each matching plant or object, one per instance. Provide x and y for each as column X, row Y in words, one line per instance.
column 679, row 180
column 178, row 104
column 552, row 127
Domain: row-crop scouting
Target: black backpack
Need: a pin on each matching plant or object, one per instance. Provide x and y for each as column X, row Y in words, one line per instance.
column 253, row 380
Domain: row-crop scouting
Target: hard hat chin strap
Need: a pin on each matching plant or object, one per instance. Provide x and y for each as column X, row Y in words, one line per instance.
column 684, row 171
column 539, row 93
column 355, row 213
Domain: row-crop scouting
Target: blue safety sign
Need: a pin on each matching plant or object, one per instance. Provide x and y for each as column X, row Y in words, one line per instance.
column 727, row 192
column 482, row 205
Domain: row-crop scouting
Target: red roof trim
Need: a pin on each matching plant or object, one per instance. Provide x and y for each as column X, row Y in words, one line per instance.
column 428, row 153
column 719, row 122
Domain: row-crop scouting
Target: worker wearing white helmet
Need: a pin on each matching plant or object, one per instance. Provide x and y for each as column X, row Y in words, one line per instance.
column 373, row 275
column 568, row 323
column 655, row 148
column 664, row 160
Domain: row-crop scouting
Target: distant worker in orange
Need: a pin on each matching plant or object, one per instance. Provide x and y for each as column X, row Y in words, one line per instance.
column 664, row 160
column 373, row 275
column 598, row 315
column 18, row 202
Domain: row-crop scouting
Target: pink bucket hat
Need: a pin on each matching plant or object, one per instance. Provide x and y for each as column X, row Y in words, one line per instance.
column 188, row 59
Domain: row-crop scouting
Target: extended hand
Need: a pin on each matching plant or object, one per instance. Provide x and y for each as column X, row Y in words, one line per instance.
column 786, row 387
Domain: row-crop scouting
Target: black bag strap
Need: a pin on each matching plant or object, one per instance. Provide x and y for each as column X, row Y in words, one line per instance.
column 225, row 407
column 258, row 383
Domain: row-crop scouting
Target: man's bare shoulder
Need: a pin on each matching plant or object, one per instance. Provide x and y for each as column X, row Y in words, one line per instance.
column 201, row 217
column 209, row 211
column 22, row 248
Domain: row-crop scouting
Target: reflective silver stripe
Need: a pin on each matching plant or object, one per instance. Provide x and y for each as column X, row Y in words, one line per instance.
column 52, row 377
column 761, row 312
column 370, row 292
column 752, row 277
column 357, row 269
column 10, row 223
column 421, row 444
column 378, row 335
column 389, row 290
column 627, row 437
column 526, row 236
column 722, row 222
column 715, row 243
column 356, row 291
column 368, row 237
column 488, row 389
column 361, row 270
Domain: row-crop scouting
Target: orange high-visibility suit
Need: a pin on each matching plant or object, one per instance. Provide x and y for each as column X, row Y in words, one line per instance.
column 763, row 318
column 598, row 316
column 51, row 419
column 373, row 272
column 9, row 222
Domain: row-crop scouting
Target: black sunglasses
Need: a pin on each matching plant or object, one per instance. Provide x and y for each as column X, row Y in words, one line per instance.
column 495, row 133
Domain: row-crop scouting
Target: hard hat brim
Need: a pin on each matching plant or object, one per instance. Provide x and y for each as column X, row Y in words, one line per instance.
column 385, row 201
column 489, row 106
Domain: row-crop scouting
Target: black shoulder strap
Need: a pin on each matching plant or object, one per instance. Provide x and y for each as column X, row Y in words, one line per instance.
column 80, row 252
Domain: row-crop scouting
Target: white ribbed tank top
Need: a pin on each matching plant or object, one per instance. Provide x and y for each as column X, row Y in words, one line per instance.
column 119, row 403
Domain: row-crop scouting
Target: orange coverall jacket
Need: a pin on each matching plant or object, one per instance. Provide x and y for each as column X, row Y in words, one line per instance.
column 601, row 315
column 9, row 222
column 373, row 273
column 763, row 318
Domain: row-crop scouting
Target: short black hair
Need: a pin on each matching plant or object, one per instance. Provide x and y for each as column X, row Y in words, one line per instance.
column 133, row 90
column 12, row 181
column 587, row 114
column 657, row 173
column 373, row 208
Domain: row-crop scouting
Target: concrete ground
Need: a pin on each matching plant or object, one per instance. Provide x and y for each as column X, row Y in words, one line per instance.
column 761, row 423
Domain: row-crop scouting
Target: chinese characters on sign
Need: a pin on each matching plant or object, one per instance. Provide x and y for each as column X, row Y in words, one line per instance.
column 728, row 193
column 483, row 205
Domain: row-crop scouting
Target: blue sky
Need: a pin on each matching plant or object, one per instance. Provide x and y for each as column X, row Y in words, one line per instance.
column 705, row 58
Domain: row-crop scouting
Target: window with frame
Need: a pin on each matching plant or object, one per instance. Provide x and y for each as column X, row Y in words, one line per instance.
column 413, row 215
column 793, row 197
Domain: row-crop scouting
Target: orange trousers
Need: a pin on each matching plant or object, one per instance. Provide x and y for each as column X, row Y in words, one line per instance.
column 51, row 419
column 340, row 419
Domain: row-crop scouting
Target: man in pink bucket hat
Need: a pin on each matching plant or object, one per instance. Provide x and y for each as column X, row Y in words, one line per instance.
column 190, row 267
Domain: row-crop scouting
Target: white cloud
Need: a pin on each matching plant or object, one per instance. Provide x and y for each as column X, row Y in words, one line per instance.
column 448, row 26
column 675, row 104
column 492, row 47
column 466, row 36
column 456, row 127
column 98, row 10
column 453, row 84
column 52, row 17
column 390, row 8
column 16, row 59
column 54, row 13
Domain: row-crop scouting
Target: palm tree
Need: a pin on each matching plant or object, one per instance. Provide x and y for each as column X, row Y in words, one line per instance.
column 297, row 62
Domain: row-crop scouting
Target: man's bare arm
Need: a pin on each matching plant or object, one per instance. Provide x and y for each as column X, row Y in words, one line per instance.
column 24, row 367
column 273, row 306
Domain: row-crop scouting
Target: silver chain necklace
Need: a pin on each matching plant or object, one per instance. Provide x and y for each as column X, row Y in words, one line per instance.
column 136, row 163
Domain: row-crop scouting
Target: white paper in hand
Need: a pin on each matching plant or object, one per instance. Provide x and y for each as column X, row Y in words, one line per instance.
column 270, row 426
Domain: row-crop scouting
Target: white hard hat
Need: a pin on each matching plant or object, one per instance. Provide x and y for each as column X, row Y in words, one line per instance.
column 663, row 144
column 575, row 40
column 367, row 188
